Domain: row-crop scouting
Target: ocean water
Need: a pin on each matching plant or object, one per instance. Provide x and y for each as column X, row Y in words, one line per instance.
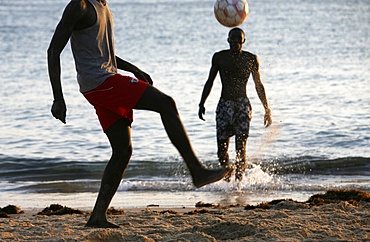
column 315, row 65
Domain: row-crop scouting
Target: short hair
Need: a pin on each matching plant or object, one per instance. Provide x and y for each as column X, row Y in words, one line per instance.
column 236, row 30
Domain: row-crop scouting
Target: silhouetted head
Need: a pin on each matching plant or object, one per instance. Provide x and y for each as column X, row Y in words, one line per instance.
column 236, row 39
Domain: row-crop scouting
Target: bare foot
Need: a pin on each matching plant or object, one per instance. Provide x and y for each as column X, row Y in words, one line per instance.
column 206, row 177
column 101, row 224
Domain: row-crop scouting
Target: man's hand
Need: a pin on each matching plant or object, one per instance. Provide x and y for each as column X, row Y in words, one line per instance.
column 267, row 119
column 144, row 77
column 201, row 112
column 59, row 110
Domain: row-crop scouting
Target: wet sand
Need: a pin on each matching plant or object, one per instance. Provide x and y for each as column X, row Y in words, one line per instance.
column 284, row 220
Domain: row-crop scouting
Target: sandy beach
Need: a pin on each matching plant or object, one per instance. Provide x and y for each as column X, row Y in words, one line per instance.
column 284, row 220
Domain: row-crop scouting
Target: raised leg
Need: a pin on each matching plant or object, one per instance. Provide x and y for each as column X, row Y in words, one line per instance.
column 154, row 100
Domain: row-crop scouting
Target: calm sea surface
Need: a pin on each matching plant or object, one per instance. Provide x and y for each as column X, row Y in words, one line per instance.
column 315, row 64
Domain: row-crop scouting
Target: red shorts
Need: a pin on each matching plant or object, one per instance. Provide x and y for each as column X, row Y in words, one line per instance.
column 115, row 98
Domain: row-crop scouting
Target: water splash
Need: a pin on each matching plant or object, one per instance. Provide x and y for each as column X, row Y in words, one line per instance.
column 269, row 136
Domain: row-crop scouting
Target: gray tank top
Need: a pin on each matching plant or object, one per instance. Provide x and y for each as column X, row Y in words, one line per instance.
column 93, row 50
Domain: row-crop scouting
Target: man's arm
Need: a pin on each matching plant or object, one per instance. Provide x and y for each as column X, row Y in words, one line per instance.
column 127, row 66
column 72, row 14
column 208, row 86
column 262, row 94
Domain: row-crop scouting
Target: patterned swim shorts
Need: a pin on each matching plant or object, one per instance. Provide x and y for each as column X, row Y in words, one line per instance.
column 233, row 117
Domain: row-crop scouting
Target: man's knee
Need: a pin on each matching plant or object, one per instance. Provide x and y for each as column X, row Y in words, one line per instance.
column 127, row 151
column 122, row 153
column 168, row 104
column 169, row 101
column 241, row 141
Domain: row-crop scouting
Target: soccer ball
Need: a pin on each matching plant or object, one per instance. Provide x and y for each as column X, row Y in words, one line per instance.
column 231, row 13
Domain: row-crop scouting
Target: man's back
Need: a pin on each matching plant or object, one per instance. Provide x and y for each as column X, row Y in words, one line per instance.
column 93, row 48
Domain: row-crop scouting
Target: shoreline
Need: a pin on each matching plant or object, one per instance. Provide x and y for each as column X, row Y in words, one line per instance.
column 318, row 219
column 141, row 199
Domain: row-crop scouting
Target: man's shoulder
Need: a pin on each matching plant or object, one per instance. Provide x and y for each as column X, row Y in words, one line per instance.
column 77, row 5
column 77, row 10
column 250, row 54
column 77, row 1
column 220, row 53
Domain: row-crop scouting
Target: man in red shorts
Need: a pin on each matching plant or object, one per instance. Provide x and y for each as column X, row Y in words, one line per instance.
column 88, row 24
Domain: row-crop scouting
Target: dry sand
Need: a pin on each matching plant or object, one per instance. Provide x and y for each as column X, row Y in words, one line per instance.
column 284, row 221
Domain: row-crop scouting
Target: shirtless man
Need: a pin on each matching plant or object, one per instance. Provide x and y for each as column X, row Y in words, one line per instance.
column 234, row 110
column 88, row 24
